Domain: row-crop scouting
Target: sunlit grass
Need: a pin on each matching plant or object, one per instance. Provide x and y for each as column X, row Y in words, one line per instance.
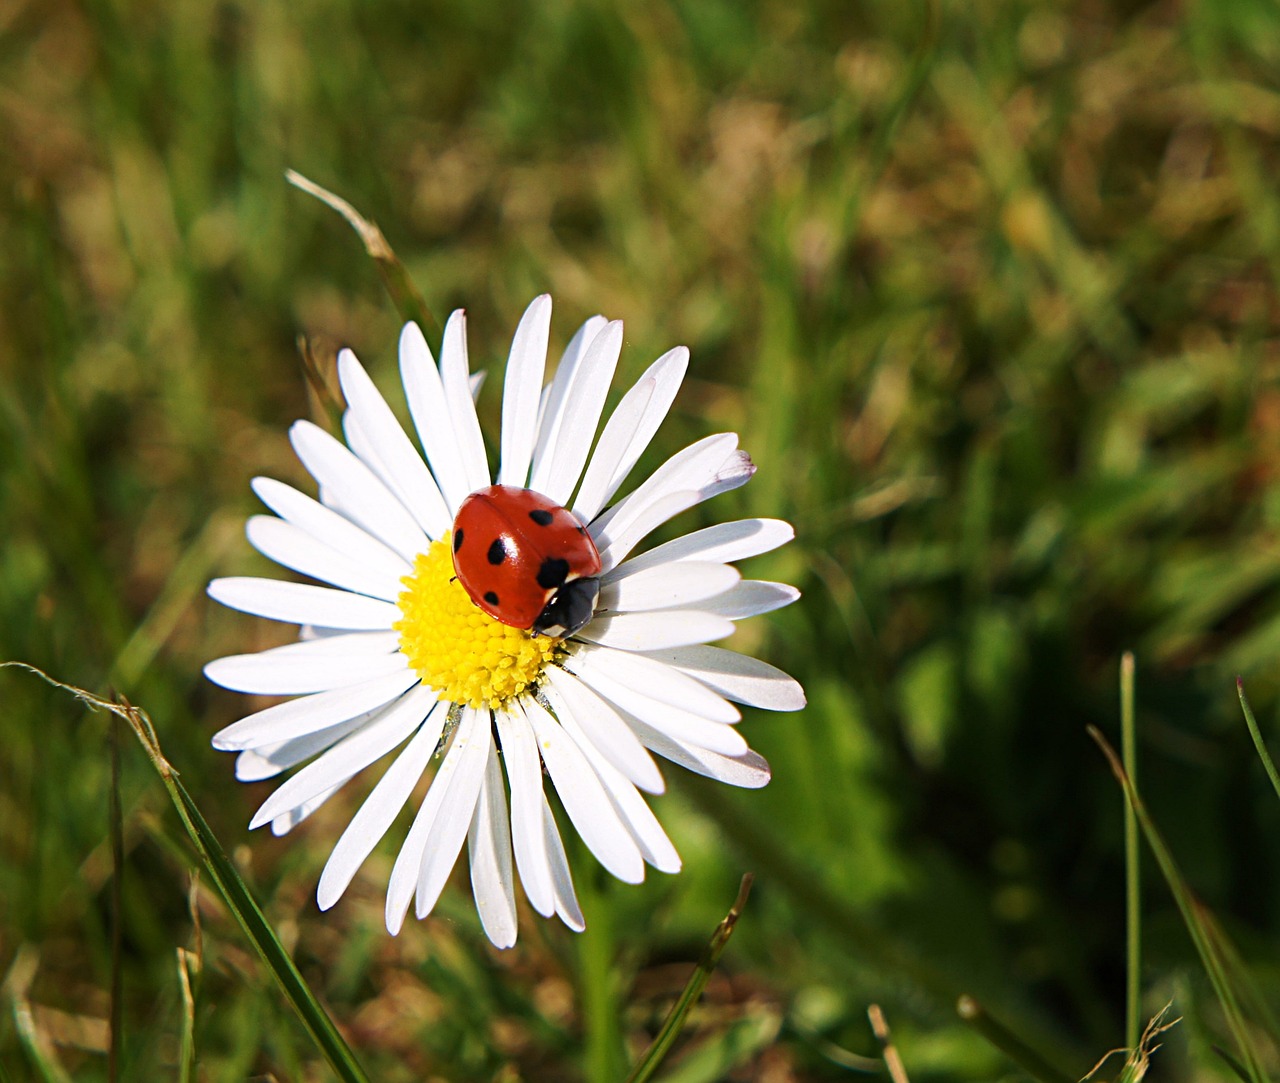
column 989, row 293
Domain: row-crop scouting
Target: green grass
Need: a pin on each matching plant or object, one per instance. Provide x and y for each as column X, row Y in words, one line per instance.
column 989, row 292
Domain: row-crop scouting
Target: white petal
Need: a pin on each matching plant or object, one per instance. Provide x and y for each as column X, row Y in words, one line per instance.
column 456, row 808
column 308, row 714
column 655, row 678
column 524, row 774
column 424, row 392
column 580, row 417
column 256, row 764
column 412, row 486
column 352, row 754
column 379, row 809
column 585, row 798
column 316, row 642
column 405, row 472
column 293, row 547
column 738, row 676
column 328, row 526
column 410, row 860
column 489, row 846
column 602, row 726
column 525, row 366
column 551, row 409
column 459, row 391
column 684, row 726
column 355, row 487
column 635, row 814
column 270, row 674
column 613, row 444
column 619, row 536
column 749, row 770
column 750, row 598
column 690, row 468
column 654, row 631
column 561, row 879
column 657, row 388
column 721, row 543
column 301, row 603
column 668, row 586
column 287, row 821
column 630, row 807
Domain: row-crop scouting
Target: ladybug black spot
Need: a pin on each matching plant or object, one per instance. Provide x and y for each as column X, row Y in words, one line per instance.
column 457, row 540
column 490, row 597
column 497, row 551
column 552, row 573
column 541, row 516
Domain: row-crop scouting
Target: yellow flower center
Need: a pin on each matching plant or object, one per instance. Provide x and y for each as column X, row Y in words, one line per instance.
column 457, row 648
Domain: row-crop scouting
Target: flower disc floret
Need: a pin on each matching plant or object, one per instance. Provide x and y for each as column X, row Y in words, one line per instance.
column 464, row 654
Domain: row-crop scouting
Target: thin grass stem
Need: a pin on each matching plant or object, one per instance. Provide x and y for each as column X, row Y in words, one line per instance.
column 1132, row 862
column 603, row 1057
column 674, row 1022
column 115, row 1036
column 187, row 1041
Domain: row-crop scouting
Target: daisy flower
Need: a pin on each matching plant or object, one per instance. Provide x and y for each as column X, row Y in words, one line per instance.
column 395, row 653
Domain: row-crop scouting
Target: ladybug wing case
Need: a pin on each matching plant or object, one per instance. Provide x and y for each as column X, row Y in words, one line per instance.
column 525, row 560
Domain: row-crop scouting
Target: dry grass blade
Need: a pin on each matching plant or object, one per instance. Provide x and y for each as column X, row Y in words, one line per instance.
column 888, row 1051
column 404, row 294
column 1138, row 1056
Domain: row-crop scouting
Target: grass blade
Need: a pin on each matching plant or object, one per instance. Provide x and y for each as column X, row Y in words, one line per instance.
column 1208, row 939
column 672, row 1025
column 831, row 910
column 1008, row 1043
column 234, row 891
column 1231, row 1063
column 1256, row 734
column 404, row 294
column 40, row 1052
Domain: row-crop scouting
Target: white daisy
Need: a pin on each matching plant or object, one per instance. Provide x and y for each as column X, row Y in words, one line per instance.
column 394, row 653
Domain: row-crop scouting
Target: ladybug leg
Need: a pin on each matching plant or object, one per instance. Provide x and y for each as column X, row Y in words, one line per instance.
column 572, row 606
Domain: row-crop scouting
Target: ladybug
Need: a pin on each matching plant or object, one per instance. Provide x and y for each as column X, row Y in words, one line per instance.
column 525, row 560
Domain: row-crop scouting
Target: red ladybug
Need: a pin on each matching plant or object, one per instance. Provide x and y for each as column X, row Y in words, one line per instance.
column 525, row 560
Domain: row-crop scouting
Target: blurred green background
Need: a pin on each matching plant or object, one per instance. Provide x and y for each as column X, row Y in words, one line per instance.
column 988, row 290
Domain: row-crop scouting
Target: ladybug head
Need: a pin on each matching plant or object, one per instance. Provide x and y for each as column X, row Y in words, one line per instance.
column 569, row 609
